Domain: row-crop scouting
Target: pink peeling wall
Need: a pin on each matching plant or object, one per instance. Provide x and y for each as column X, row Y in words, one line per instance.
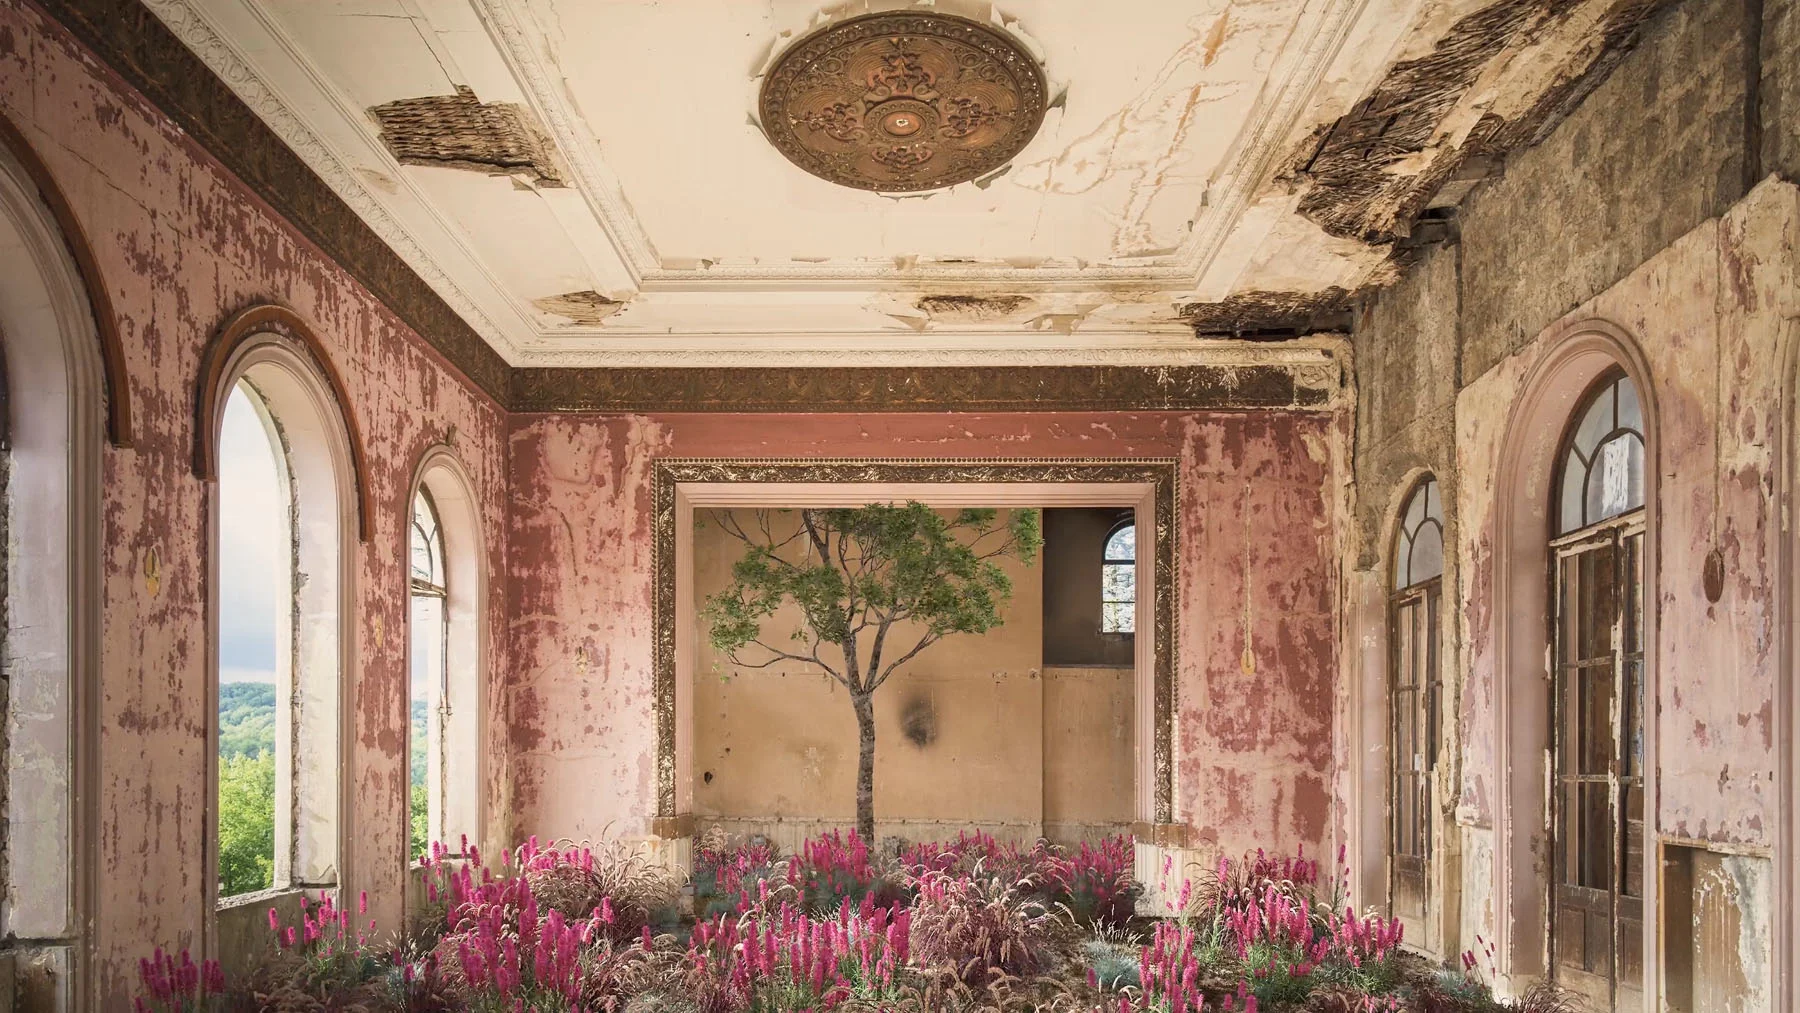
column 1257, row 597
column 181, row 245
column 1715, row 318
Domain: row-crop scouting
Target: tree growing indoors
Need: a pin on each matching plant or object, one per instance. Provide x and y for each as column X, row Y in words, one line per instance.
column 860, row 576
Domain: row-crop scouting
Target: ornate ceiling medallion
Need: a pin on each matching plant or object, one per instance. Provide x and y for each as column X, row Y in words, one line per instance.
column 903, row 101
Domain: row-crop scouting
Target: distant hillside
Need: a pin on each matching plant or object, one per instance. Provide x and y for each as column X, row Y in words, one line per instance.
column 246, row 718
column 247, row 723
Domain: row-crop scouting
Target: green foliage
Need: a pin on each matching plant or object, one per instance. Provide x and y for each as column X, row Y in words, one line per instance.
column 418, row 818
column 418, row 742
column 1115, row 965
column 246, row 718
column 418, row 810
column 865, row 568
column 246, row 823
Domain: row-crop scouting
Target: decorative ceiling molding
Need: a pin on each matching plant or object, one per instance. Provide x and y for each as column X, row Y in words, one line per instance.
column 1311, row 386
column 1318, row 38
column 143, row 50
column 193, row 28
column 840, row 350
column 903, row 101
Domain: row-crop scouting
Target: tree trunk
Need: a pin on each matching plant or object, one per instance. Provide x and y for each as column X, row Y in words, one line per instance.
column 865, row 768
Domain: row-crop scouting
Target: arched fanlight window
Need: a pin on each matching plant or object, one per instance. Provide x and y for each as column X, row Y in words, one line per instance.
column 1602, row 474
column 427, row 547
column 1414, row 689
column 1118, row 581
column 1419, row 544
column 428, row 700
column 446, row 591
column 1596, row 919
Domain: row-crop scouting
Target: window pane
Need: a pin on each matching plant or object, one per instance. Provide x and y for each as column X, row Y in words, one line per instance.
column 1118, row 582
column 423, row 706
column 1428, row 554
column 1631, row 412
column 1122, row 546
column 1595, row 424
column 1574, row 489
column 256, row 561
column 1616, row 483
column 1415, row 511
column 1118, row 617
column 427, row 545
column 1419, row 543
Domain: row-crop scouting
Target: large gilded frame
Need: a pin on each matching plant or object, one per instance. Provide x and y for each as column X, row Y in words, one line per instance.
column 1157, row 477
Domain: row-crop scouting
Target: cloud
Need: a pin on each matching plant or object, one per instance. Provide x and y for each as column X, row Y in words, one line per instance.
column 253, row 541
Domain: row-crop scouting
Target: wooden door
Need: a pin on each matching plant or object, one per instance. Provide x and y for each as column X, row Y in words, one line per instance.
column 1597, row 809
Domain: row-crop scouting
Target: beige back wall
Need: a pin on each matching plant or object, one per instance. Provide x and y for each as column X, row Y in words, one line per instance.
column 780, row 743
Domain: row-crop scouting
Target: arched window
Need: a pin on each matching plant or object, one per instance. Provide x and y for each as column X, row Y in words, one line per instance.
column 444, row 713
column 1597, row 748
column 1602, row 474
column 283, row 513
column 430, row 630
column 1414, row 685
column 255, row 622
column 1118, row 580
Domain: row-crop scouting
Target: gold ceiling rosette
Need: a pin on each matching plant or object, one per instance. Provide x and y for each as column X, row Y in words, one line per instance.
column 903, row 101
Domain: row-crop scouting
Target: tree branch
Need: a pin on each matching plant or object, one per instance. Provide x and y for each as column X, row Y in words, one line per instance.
column 925, row 641
column 781, row 655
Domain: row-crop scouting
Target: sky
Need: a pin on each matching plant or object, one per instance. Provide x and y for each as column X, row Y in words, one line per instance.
column 251, row 544
column 253, row 549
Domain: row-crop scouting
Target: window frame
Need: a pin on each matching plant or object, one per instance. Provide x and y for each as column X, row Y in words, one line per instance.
column 458, row 804
column 296, row 397
column 1611, row 533
column 1420, row 603
column 1107, row 561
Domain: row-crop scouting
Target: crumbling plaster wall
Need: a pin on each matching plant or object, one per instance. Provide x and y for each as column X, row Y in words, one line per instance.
column 1257, row 597
column 181, row 245
column 1634, row 209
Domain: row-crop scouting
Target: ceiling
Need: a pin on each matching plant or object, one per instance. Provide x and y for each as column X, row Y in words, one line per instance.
column 649, row 222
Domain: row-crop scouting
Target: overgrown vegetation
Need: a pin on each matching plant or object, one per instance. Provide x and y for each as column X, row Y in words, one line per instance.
column 967, row 926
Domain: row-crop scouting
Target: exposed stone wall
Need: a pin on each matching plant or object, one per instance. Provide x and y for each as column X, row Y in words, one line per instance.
column 181, row 245
column 1638, row 208
column 1654, row 151
column 1780, row 99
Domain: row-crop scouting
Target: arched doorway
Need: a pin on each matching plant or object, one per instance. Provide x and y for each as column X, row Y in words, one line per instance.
column 1548, row 678
column 54, row 437
column 1596, row 924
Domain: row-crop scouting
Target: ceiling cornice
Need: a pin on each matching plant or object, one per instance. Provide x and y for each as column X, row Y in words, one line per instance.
column 150, row 58
column 1309, row 386
column 141, row 48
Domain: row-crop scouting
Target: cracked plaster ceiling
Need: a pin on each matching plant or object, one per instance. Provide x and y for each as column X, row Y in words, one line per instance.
column 633, row 212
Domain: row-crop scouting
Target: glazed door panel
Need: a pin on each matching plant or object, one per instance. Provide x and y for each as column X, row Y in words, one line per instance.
column 1597, row 807
column 1412, row 750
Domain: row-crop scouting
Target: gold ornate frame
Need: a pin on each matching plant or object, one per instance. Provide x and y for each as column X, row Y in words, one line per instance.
column 1157, row 477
